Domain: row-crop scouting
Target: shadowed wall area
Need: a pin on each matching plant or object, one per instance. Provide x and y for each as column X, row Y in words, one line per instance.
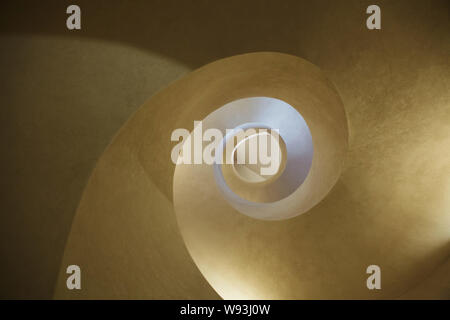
column 65, row 94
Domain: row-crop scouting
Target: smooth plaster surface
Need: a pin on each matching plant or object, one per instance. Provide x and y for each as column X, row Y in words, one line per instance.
column 394, row 84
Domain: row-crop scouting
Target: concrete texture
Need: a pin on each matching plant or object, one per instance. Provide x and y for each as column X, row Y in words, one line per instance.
column 65, row 94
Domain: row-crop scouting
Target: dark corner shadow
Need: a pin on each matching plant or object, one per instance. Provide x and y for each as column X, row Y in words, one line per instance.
column 192, row 32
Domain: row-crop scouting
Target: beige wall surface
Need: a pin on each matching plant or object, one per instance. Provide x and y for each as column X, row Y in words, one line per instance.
column 65, row 94
column 62, row 102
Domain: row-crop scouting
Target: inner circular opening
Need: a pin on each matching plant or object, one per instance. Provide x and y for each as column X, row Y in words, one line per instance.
column 259, row 157
column 256, row 194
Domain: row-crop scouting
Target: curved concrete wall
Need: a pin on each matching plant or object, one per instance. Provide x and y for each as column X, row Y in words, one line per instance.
column 394, row 85
column 322, row 254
